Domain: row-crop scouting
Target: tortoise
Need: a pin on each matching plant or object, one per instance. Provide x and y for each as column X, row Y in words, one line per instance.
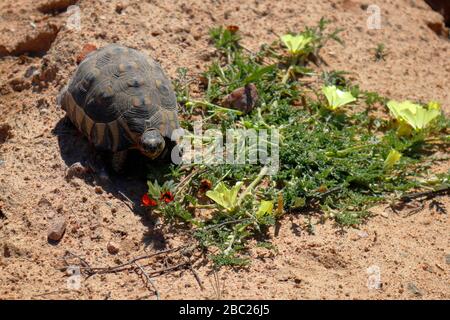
column 120, row 99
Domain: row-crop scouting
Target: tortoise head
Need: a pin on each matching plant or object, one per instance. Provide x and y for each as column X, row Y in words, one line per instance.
column 152, row 143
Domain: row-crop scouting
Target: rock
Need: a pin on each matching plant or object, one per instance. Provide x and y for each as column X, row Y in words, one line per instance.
column 54, row 6
column 196, row 34
column 358, row 235
column 87, row 48
column 57, row 228
column 120, row 7
column 113, row 248
column 5, row 132
column 362, row 234
column 98, row 190
column 447, row 259
column 76, row 169
column 243, row 99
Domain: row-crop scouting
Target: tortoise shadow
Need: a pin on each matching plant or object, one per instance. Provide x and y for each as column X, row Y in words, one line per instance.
column 128, row 186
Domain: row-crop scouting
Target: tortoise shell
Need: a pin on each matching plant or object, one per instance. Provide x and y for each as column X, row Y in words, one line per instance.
column 116, row 94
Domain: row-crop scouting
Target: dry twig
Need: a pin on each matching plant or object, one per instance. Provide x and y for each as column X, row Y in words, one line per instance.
column 149, row 280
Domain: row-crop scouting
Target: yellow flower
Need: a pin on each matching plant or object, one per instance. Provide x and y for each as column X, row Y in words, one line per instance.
column 413, row 114
column 337, row 98
column 295, row 44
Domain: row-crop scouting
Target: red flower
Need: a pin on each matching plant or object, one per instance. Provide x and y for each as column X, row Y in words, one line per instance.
column 147, row 201
column 233, row 29
column 167, row 197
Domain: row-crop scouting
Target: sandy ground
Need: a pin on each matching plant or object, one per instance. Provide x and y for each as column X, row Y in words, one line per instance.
column 412, row 252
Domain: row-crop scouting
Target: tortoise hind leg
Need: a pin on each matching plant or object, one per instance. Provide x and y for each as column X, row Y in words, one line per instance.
column 118, row 160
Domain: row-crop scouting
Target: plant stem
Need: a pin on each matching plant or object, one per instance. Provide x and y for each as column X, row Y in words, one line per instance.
column 345, row 151
column 211, row 105
column 252, row 185
column 287, row 75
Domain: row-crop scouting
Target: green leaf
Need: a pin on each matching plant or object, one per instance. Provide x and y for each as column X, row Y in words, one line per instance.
column 296, row 44
column 258, row 73
column 154, row 189
column 299, row 202
column 392, row 159
column 226, row 198
column 265, row 208
column 336, row 97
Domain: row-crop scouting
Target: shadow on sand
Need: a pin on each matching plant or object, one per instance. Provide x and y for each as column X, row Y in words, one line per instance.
column 129, row 186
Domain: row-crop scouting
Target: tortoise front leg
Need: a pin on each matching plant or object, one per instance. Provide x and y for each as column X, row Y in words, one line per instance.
column 118, row 160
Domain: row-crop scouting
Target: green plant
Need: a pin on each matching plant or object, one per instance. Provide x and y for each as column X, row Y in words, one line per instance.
column 392, row 159
column 304, row 47
column 339, row 164
column 226, row 198
column 380, row 52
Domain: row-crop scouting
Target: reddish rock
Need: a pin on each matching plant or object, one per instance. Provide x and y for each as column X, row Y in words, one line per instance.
column 52, row 6
column 77, row 170
column 113, row 248
column 98, row 190
column 243, row 99
column 57, row 228
column 87, row 48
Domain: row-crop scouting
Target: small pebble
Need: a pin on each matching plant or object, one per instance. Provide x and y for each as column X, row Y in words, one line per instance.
column 113, row 248
column 120, row 7
column 363, row 234
column 98, row 190
column 76, row 169
column 57, row 228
